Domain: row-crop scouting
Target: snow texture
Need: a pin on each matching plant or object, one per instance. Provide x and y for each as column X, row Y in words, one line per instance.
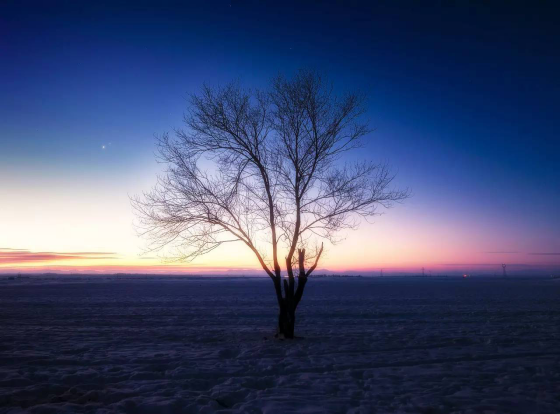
column 202, row 345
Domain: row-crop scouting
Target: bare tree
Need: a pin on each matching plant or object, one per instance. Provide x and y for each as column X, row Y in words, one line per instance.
column 276, row 182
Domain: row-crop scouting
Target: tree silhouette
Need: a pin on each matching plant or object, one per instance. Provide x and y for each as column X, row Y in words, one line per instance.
column 277, row 182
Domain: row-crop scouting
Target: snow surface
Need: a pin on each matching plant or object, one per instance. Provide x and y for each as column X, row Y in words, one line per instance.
column 190, row 345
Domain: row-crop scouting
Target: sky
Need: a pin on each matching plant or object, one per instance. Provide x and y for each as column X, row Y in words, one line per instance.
column 463, row 97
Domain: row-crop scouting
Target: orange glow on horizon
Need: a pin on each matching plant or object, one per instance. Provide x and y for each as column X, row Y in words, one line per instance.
column 108, row 263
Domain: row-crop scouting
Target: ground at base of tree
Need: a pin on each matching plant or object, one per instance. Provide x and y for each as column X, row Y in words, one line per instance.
column 105, row 344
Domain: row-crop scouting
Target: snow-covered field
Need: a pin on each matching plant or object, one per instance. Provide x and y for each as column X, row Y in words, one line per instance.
column 184, row 345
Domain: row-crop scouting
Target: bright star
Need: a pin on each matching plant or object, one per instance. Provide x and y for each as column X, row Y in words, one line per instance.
column 102, row 146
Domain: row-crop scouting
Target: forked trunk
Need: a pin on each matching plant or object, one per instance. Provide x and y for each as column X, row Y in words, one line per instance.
column 289, row 302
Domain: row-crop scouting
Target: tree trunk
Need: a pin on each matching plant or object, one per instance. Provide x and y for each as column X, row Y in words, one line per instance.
column 286, row 322
column 288, row 304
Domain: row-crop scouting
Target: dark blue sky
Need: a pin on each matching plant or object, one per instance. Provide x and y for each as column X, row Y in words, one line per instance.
column 464, row 98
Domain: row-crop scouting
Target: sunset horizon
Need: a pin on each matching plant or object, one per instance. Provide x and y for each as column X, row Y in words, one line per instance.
column 13, row 261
